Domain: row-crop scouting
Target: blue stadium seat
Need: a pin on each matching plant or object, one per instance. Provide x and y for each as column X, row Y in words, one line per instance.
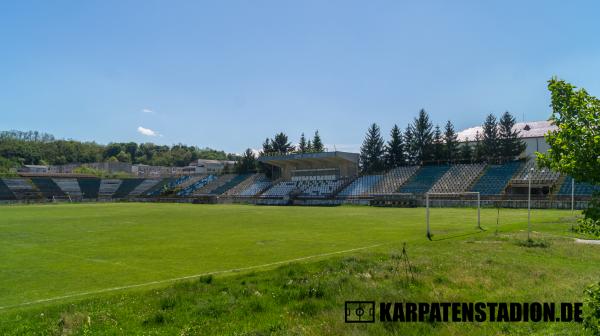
column 581, row 188
column 495, row 178
column 424, row 179
column 47, row 187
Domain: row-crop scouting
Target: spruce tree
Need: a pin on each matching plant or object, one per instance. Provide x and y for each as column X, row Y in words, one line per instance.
column 394, row 150
column 409, row 153
column 510, row 145
column 267, row 148
column 371, row 151
column 466, row 153
column 422, row 137
column 302, row 144
column 450, row 142
column 489, row 138
column 280, row 144
column 478, row 152
column 438, row 145
column 309, row 147
column 317, row 144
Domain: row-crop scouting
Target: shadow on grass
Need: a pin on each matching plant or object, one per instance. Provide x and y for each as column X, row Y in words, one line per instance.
column 457, row 235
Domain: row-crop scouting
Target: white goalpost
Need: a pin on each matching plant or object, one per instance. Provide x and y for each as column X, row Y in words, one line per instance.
column 456, row 199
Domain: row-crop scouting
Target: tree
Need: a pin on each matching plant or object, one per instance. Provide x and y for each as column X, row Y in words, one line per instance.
column 438, row 145
column 451, row 149
column 317, row 144
column 409, row 152
column 302, row 144
column 246, row 163
column 309, row 147
column 489, row 138
column 478, row 152
column 422, row 137
column 280, row 144
column 575, row 145
column 266, row 146
column 371, row 151
column 509, row 143
column 466, row 153
column 394, row 150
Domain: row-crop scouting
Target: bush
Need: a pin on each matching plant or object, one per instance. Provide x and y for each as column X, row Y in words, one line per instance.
column 588, row 226
column 591, row 320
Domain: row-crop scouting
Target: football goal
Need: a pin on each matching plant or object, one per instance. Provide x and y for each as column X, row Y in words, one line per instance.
column 449, row 202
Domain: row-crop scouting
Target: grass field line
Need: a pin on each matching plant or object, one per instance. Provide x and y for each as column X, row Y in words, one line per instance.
column 188, row 277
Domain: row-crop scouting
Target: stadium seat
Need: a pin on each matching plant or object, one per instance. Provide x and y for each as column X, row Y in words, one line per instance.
column 69, row 186
column 144, row 187
column 362, row 186
column 424, row 179
column 495, row 178
column 5, row 193
column 458, row 178
column 581, row 188
column 22, row 188
column 47, row 187
column 108, row 187
column 126, row 187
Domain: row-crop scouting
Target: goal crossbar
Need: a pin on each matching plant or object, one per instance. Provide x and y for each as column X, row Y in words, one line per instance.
column 442, row 194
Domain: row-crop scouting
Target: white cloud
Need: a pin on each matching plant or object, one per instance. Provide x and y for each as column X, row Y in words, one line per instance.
column 147, row 131
column 147, row 110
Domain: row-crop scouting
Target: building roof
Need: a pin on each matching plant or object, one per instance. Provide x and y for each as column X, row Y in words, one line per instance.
column 529, row 129
column 310, row 157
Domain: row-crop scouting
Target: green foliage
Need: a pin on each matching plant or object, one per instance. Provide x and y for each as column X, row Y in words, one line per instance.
column 394, row 150
column 317, row 144
column 302, row 146
column 575, row 145
column 246, row 163
column 451, row 149
column 99, row 172
column 421, row 138
column 489, row 138
column 19, row 148
column 591, row 311
column 372, row 150
column 466, row 153
column 509, row 143
column 438, row 145
column 280, row 144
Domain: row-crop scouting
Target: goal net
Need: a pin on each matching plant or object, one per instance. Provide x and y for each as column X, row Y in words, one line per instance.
column 452, row 213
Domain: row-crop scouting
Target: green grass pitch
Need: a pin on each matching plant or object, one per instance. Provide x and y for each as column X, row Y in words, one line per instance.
column 61, row 252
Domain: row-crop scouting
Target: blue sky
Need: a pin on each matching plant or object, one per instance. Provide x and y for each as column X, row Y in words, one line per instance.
column 227, row 74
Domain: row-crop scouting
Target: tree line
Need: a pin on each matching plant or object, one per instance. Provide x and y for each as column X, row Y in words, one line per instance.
column 422, row 143
column 278, row 145
column 19, row 148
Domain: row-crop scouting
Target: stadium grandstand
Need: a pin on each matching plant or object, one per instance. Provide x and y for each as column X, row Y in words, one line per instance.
column 317, row 178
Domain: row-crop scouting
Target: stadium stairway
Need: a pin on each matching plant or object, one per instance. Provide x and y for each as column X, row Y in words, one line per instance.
column 89, row 187
column 127, row 186
column 424, row 179
column 69, row 186
column 5, row 193
column 47, row 187
column 495, row 178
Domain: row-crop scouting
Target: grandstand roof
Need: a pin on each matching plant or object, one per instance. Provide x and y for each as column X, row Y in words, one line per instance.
column 529, row 129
